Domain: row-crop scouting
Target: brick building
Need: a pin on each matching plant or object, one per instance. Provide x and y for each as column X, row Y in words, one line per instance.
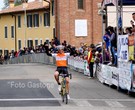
column 78, row 21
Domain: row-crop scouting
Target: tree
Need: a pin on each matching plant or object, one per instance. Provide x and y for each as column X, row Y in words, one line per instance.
column 18, row 2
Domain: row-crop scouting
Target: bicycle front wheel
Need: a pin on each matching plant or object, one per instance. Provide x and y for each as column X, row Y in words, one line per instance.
column 62, row 96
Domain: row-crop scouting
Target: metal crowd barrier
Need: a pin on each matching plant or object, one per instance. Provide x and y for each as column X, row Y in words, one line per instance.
column 73, row 63
column 32, row 58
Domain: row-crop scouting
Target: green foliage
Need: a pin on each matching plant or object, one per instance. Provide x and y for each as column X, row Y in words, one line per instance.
column 18, row 2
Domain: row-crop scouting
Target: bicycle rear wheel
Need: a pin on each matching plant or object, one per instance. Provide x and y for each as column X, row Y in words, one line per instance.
column 66, row 98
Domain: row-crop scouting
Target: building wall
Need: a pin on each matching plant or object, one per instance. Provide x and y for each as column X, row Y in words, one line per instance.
column 35, row 33
column 67, row 13
column 97, row 23
column 6, row 43
column 127, row 15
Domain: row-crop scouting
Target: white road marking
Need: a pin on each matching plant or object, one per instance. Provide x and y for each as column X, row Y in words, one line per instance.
column 123, row 100
column 30, row 99
column 72, row 99
column 114, row 104
column 83, row 103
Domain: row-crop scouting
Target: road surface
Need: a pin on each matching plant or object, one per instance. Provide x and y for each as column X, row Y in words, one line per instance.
column 32, row 87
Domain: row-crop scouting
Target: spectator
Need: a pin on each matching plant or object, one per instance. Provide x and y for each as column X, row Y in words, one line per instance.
column 129, row 30
column 132, row 23
column 90, row 59
column 113, row 41
column 56, row 41
column 106, row 38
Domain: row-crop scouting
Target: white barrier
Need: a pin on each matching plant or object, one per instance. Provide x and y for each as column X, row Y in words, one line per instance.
column 125, row 75
column 122, row 76
column 76, row 63
column 80, row 65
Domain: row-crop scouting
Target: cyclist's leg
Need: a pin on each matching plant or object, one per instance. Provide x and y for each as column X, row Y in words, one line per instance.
column 65, row 71
column 56, row 76
column 67, row 84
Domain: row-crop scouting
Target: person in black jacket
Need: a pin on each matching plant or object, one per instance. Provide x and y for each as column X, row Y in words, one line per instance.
column 113, row 41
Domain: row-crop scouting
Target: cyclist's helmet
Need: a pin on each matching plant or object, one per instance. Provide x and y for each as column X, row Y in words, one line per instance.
column 60, row 47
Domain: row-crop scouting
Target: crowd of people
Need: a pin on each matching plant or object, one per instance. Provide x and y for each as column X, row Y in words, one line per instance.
column 51, row 47
column 110, row 42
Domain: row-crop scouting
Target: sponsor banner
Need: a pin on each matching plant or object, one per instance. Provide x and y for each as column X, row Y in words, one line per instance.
column 123, row 48
column 124, row 65
column 125, row 75
column 133, row 83
column 131, row 47
column 76, row 63
column 107, row 74
column 99, row 73
column 115, row 73
column 110, row 75
column 81, row 64
column 125, row 79
column 86, row 68
column 133, row 76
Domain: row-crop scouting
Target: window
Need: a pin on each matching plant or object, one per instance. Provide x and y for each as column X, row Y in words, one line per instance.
column 0, row 52
column 29, row 43
column 36, row 20
column 40, row 19
column 12, row 31
column 47, row 41
column 36, row 42
column 40, row 41
column 6, row 52
column 52, row 7
column 80, row 4
column 19, row 21
column 19, row 44
column 29, row 20
column 53, row 32
column 46, row 19
column 6, row 32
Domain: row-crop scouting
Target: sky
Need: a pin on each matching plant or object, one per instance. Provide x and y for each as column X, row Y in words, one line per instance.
column 1, row 3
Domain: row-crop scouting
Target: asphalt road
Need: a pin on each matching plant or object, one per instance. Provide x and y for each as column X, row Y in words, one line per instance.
column 32, row 87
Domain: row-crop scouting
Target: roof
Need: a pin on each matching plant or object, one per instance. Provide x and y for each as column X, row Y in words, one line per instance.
column 128, row 2
column 35, row 5
column 124, row 2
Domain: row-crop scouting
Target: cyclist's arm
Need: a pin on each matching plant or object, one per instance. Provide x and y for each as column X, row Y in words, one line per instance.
column 67, row 54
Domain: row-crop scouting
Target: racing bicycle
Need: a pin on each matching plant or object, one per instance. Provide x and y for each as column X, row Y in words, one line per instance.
column 64, row 91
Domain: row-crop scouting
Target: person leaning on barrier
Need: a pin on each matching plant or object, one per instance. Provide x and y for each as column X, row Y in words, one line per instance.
column 61, row 63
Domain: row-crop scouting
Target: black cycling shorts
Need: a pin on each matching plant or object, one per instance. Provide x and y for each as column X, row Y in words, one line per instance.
column 63, row 70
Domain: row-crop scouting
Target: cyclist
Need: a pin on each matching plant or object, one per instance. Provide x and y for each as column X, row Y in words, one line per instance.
column 61, row 63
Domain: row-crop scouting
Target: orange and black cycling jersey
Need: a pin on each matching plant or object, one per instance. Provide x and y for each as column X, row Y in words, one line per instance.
column 61, row 59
